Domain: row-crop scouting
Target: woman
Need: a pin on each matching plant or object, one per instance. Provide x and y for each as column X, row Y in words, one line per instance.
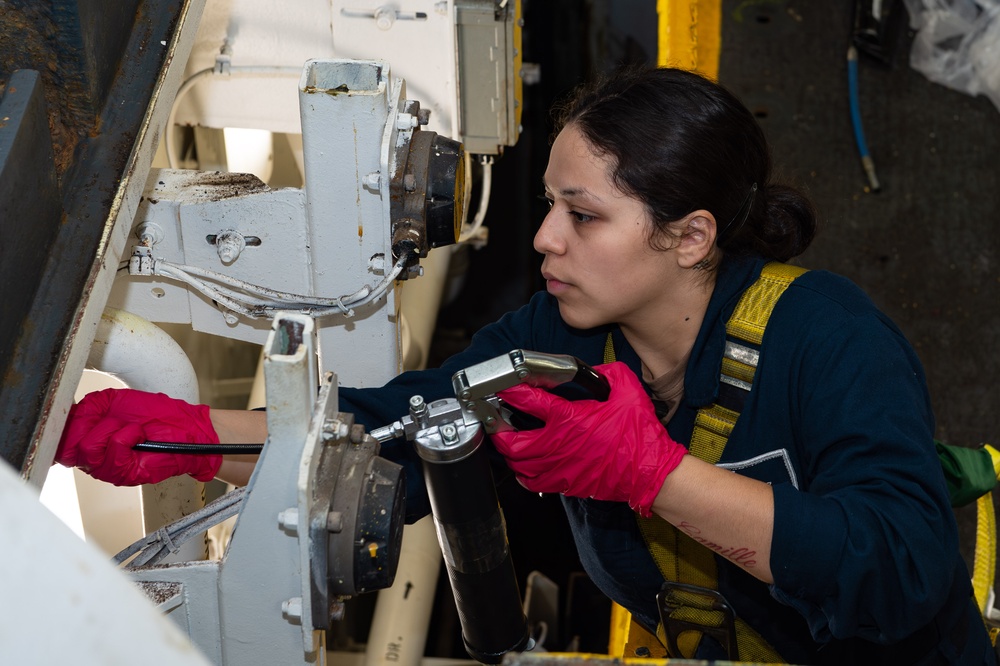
column 833, row 542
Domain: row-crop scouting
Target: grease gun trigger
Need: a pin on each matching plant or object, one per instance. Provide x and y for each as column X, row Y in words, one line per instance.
column 476, row 386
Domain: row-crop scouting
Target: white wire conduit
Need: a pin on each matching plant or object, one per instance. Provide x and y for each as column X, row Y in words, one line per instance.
column 221, row 69
column 470, row 232
column 256, row 301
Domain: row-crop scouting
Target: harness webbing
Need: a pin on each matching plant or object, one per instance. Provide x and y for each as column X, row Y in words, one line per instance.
column 984, row 559
column 678, row 557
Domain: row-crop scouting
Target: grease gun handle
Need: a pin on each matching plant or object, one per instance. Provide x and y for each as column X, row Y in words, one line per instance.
column 593, row 381
column 476, row 386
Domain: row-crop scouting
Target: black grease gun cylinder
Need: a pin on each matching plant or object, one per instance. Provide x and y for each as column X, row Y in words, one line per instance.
column 473, row 538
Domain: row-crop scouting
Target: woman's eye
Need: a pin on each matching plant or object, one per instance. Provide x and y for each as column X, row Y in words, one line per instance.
column 577, row 216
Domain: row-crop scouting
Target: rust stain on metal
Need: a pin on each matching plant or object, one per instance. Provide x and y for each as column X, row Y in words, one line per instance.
column 12, row 377
column 29, row 39
column 159, row 592
column 219, row 185
column 333, row 92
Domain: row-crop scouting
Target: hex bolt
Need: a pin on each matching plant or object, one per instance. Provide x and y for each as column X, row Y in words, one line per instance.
column 449, row 434
column 149, row 233
column 372, row 180
column 377, row 263
column 334, row 429
column 289, row 520
column 418, row 410
column 292, row 609
column 357, row 433
column 406, row 121
column 409, row 182
column 335, row 521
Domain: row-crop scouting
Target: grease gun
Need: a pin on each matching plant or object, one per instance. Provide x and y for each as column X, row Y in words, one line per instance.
column 448, row 435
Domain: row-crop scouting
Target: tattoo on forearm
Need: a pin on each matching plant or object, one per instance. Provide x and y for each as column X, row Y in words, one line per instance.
column 742, row 556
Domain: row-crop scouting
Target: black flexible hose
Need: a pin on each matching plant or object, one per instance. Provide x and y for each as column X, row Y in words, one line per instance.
column 203, row 449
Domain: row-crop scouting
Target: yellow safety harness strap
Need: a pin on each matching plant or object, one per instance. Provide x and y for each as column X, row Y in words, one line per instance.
column 680, row 558
column 984, row 558
column 983, row 565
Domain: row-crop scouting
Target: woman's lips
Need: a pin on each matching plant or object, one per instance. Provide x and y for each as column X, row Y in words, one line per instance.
column 553, row 285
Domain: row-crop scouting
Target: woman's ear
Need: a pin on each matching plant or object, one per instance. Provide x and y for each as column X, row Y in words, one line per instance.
column 697, row 238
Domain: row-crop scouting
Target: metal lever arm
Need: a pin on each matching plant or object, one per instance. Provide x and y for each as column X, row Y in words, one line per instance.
column 477, row 385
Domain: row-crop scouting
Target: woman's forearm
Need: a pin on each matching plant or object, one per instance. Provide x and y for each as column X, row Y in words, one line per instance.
column 730, row 514
column 235, row 426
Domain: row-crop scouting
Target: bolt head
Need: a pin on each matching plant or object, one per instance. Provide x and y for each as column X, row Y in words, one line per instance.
column 292, row 608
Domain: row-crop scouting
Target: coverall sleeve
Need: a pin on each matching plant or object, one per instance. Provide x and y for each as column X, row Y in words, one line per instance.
column 867, row 545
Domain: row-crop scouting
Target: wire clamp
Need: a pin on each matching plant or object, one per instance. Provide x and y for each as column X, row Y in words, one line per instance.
column 344, row 310
column 141, row 261
column 164, row 537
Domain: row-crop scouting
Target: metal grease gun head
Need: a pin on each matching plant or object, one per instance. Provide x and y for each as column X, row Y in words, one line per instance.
column 476, row 390
column 476, row 386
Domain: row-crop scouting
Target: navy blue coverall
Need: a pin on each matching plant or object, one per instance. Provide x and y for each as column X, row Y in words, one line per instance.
column 865, row 553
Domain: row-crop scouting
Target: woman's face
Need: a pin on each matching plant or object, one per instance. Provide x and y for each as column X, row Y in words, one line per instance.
column 598, row 261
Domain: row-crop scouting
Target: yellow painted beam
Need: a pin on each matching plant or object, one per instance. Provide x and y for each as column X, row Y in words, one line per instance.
column 690, row 35
column 629, row 640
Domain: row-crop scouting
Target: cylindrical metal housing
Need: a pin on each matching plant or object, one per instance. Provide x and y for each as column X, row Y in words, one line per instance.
column 473, row 538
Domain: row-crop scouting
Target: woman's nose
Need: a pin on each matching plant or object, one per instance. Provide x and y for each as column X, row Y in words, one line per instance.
column 548, row 239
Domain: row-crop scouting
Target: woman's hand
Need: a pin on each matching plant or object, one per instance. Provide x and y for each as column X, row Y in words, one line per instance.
column 615, row 450
column 104, row 426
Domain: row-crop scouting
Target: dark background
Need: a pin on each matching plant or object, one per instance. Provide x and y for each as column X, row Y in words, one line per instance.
column 925, row 248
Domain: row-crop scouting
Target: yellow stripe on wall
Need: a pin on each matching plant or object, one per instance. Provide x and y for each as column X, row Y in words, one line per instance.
column 690, row 35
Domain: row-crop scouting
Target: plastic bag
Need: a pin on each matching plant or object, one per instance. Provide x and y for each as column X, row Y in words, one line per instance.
column 958, row 44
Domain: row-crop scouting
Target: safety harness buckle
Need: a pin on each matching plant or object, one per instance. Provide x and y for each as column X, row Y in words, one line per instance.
column 690, row 608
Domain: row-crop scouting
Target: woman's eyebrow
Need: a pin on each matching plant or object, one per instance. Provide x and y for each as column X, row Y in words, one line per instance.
column 574, row 192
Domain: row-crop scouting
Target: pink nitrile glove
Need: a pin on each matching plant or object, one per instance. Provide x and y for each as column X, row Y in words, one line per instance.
column 615, row 450
column 104, row 426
